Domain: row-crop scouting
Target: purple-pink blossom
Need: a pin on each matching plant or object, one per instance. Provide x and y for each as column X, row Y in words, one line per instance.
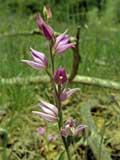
column 52, row 137
column 62, row 43
column 41, row 131
column 70, row 128
column 50, row 112
column 60, row 76
column 39, row 62
column 66, row 94
column 79, row 129
column 64, row 132
column 46, row 29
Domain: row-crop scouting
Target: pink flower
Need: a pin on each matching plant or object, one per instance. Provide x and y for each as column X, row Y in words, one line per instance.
column 41, row 131
column 79, row 129
column 50, row 112
column 67, row 94
column 60, row 76
column 52, row 137
column 70, row 123
column 70, row 129
column 46, row 29
column 40, row 60
column 64, row 132
column 61, row 44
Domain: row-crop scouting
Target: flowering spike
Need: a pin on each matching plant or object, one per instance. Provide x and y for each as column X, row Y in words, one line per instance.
column 50, row 112
column 60, row 76
column 40, row 60
column 67, row 94
column 46, row 29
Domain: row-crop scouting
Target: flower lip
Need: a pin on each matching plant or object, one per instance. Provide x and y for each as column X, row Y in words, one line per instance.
column 60, row 76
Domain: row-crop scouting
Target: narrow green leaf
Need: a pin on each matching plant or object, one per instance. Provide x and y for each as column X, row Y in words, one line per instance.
column 62, row 155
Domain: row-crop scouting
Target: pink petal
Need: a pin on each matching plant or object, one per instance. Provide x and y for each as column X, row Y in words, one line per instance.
column 47, row 110
column 47, row 106
column 40, row 21
column 64, row 41
column 52, row 137
column 45, row 116
column 63, row 48
column 46, row 29
column 64, row 133
column 48, row 32
column 70, row 123
column 60, row 37
column 39, row 57
column 79, row 129
column 67, row 94
column 41, row 131
column 35, row 65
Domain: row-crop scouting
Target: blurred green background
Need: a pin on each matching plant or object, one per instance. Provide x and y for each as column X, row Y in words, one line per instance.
column 99, row 49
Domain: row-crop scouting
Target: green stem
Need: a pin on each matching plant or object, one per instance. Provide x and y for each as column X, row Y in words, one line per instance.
column 66, row 147
column 58, row 103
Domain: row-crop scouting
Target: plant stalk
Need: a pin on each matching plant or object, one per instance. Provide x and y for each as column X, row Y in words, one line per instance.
column 57, row 92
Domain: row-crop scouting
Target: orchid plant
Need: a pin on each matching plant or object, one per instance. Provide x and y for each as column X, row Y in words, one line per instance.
column 53, row 112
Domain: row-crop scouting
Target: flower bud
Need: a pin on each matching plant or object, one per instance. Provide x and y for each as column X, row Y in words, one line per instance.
column 47, row 12
column 46, row 29
column 41, row 131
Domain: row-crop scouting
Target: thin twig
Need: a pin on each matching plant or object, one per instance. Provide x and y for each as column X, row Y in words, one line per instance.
column 76, row 57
